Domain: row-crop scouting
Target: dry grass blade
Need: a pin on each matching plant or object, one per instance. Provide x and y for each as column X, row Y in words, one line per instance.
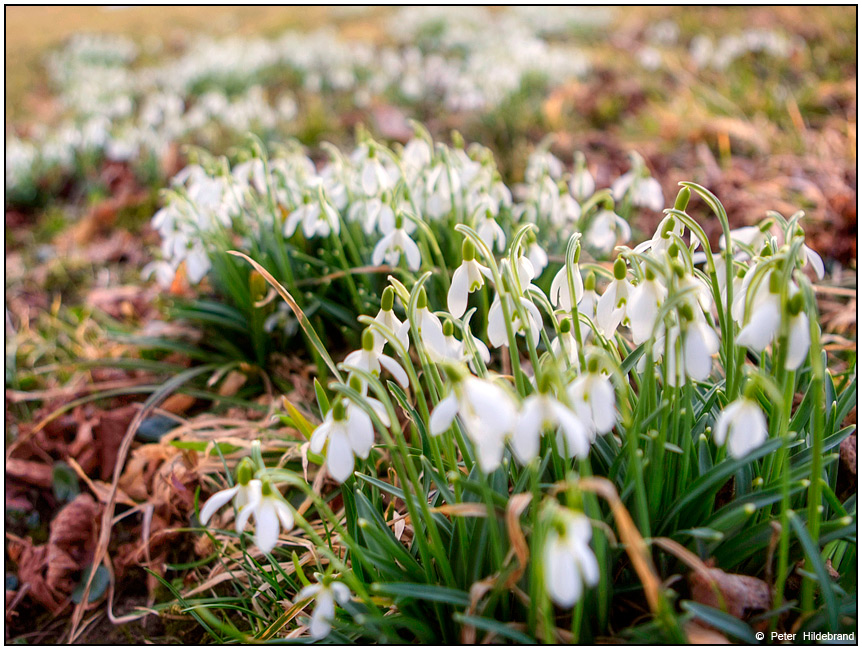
column 635, row 545
column 517, row 504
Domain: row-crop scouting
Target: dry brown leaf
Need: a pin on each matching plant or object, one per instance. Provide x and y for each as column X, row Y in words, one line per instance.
column 34, row 473
column 743, row 596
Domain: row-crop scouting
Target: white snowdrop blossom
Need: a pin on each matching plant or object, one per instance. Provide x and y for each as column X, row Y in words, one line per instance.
column 612, row 305
column 561, row 295
column 467, row 278
column 537, row 257
column 429, row 326
column 487, row 412
column 582, row 184
column 317, row 216
column 699, row 344
column 325, row 597
column 387, row 318
column 456, row 351
column 497, row 335
column 395, row 242
column 606, row 230
column 370, row 358
column 643, row 190
column 349, row 432
column 565, row 344
column 643, row 306
column 593, row 398
column 542, row 411
column 799, row 333
column 743, row 425
column 240, row 493
column 765, row 316
column 270, row 511
column 568, row 562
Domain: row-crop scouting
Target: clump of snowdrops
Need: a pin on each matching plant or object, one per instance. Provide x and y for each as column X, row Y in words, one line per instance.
column 331, row 234
column 549, row 475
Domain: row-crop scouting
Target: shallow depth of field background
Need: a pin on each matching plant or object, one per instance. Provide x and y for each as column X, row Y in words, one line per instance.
column 764, row 132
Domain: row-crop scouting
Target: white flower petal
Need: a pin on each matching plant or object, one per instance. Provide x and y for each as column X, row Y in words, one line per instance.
column 394, row 369
column 339, row 456
column 215, row 502
column 266, row 526
column 443, row 415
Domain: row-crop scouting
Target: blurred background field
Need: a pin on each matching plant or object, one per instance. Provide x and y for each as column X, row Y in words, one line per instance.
column 757, row 104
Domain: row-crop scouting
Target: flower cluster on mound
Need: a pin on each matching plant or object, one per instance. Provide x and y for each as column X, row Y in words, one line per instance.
column 649, row 371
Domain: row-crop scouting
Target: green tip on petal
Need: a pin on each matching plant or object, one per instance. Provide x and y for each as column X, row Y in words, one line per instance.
column 368, row 340
column 355, row 383
column 338, row 410
column 593, row 364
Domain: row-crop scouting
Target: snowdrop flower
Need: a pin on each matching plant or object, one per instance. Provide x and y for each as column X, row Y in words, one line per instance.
column 270, row 512
column 565, row 344
column 643, row 306
column 606, row 229
column 240, row 493
column 593, row 398
column 543, row 163
column 395, row 242
column 429, row 326
column 486, row 411
column 373, row 177
column 162, row 270
column 811, row 256
column 582, row 185
column 325, row 596
column 370, row 212
column 386, row 317
column 699, row 344
column 542, row 411
column 643, row 190
column 743, row 425
column 611, row 307
column 589, row 299
column 466, row 279
column 754, row 237
column 370, row 358
column 799, row 334
column 568, row 562
column 456, row 350
column 349, row 431
column 497, row 322
column 317, row 216
column 537, row 256
column 490, row 232
column 663, row 237
column 765, row 317
column 560, row 295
